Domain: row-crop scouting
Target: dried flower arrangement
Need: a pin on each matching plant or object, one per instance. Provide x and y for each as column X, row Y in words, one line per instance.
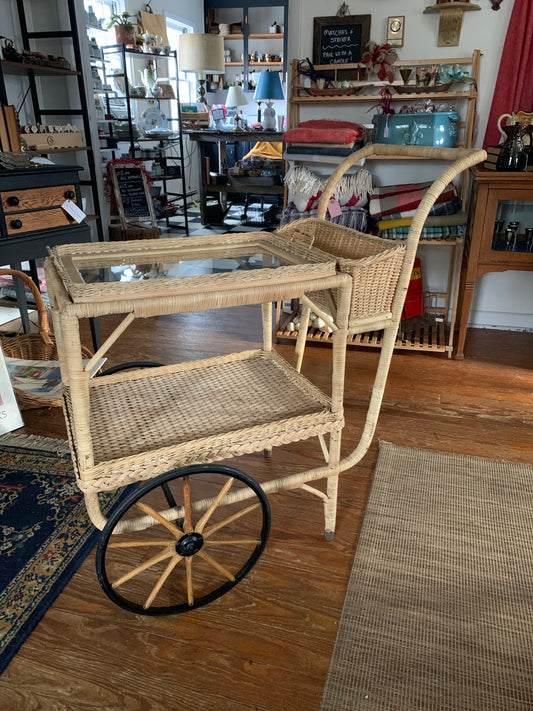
column 380, row 58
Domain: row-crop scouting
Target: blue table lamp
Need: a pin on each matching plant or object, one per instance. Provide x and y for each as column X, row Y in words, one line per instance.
column 269, row 89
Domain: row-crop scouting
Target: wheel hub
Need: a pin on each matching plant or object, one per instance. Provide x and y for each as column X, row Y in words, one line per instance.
column 189, row 544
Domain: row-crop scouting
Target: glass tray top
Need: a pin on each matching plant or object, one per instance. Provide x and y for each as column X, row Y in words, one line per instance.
column 190, row 265
column 138, row 269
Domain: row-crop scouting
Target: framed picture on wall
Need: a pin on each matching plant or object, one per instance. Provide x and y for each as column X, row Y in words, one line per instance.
column 340, row 40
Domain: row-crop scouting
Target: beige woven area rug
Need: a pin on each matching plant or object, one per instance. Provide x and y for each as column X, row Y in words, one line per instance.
column 439, row 610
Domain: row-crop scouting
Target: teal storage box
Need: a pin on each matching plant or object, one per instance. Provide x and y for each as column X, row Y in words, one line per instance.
column 424, row 129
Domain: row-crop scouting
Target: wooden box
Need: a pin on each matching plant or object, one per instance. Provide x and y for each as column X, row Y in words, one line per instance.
column 51, row 141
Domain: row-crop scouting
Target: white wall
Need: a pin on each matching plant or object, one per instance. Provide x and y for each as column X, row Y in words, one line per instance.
column 192, row 11
column 500, row 300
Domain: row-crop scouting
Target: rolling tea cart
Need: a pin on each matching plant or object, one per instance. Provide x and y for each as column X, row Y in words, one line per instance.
column 187, row 535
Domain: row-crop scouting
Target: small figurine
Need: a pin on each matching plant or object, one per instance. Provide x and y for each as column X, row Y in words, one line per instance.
column 343, row 10
column 9, row 51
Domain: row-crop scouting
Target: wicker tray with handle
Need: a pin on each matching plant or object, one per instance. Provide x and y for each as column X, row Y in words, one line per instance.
column 33, row 346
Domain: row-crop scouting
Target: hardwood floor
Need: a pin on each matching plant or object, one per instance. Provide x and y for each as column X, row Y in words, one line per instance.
column 266, row 645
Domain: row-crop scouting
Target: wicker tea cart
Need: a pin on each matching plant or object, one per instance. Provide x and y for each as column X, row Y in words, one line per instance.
column 190, row 530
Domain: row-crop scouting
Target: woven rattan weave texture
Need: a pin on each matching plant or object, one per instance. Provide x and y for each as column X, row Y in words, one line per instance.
column 132, row 426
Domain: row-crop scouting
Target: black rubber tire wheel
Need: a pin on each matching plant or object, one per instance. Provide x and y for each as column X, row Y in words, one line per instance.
column 165, row 567
column 131, row 365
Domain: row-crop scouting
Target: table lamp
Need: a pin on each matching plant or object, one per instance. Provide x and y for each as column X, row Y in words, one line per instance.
column 234, row 99
column 269, row 89
column 202, row 54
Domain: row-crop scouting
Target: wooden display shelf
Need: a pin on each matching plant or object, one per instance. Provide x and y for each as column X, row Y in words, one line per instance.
column 254, row 64
column 49, row 151
column 266, row 35
column 432, row 338
column 351, row 98
column 252, row 189
column 39, row 69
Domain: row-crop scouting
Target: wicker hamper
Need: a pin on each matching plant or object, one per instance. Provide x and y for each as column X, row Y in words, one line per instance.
column 33, row 346
column 118, row 233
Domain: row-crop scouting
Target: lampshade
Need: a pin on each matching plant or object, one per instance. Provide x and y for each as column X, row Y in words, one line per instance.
column 268, row 86
column 201, row 53
column 236, row 97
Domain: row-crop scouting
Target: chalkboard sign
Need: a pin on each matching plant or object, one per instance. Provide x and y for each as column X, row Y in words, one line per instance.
column 340, row 40
column 132, row 194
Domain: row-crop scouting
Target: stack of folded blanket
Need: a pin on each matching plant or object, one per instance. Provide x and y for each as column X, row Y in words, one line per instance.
column 324, row 137
column 354, row 217
column 351, row 193
column 394, row 206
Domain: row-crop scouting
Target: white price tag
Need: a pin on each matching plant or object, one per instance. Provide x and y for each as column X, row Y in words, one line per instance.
column 73, row 210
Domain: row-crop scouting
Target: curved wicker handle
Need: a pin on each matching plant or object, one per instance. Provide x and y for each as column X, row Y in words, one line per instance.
column 44, row 327
column 467, row 156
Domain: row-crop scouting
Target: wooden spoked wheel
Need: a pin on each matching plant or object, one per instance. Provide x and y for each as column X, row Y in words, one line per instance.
column 182, row 540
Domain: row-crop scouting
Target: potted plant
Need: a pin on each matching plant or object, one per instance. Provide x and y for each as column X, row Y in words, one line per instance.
column 125, row 27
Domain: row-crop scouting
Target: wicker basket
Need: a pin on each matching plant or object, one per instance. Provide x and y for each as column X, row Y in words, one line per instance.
column 118, row 233
column 378, row 271
column 33, row 346
column 372, row 262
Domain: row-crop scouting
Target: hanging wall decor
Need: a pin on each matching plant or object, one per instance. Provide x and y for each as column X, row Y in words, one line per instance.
column 451, row 19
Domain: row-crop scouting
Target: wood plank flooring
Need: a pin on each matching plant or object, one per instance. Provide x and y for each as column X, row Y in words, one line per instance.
column 266, row 645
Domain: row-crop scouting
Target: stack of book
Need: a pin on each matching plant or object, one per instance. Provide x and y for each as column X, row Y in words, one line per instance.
column 492, row 158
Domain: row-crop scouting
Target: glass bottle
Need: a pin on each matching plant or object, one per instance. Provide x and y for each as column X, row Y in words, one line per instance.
column 512, row 154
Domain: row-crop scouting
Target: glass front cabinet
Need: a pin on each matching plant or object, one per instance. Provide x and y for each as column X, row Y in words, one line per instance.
column 499, row 235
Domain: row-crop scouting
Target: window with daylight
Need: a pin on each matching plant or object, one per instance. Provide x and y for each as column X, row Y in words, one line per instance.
column 186, row 80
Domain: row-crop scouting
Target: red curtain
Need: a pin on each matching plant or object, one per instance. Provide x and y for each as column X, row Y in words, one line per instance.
column 514, row 85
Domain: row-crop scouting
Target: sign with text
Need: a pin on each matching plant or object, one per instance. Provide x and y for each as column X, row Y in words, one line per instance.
column 132, row 194
column 340, row 40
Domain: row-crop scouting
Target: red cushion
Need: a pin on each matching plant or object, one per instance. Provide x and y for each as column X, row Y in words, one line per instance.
column 329, row 123
column 324, row 131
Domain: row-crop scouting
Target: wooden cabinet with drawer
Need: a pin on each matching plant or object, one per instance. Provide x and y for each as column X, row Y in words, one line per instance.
column 31, row 216
column 30, row 200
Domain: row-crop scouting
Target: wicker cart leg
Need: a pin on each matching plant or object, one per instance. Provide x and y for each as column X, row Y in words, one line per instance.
column 302, row 336
column 330, row 506
column 266, row 314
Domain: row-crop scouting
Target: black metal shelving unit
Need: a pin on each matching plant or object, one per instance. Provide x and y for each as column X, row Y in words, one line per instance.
column 138, row 143
column 43, row 113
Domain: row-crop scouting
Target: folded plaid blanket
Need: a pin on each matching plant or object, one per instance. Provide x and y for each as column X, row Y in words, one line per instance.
column 387, row 201
column 387, row 190
column 457, row 218
column 438, row 209
column 354, row 217
column 444, row 232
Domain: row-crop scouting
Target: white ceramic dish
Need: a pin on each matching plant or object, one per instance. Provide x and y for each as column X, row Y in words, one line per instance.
column 159, row 132
column 153, row 119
